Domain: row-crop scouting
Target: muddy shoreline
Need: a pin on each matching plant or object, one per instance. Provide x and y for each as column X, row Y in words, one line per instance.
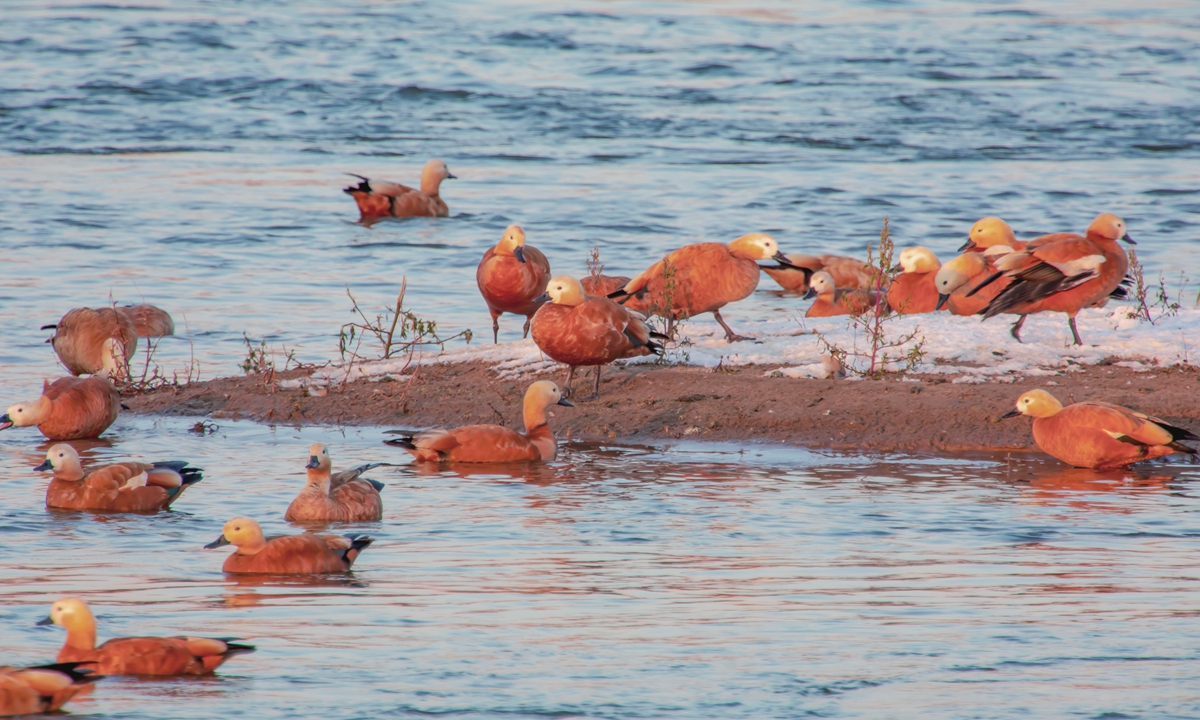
column 645, row 403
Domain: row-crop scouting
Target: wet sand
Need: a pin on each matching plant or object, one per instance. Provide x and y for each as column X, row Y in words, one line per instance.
column 652, row 403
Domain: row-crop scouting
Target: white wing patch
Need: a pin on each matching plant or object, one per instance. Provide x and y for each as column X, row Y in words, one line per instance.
column 136, row 481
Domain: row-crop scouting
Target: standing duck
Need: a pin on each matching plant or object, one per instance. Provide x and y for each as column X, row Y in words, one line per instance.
column 493, row 443
column 136, row 655
column 913, row 291
column 69, row 408
column 1096, row 434
column 345, row 497
column 579, row 329
column 832, row 301
column 306, row 554
column 149, row 321
column 511, row 277
column 380, row 198
column 703, row 278
column 120, row 487
column 94, row 342
column 847, row 272
column 42, row 688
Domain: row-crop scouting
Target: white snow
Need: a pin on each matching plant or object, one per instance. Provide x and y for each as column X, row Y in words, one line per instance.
column 970, row 350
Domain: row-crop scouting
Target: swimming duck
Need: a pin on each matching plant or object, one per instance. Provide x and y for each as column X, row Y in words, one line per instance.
column 511, row 277
column 69, row 408
column 120, row 487
column 306, row 554
column 704, row 278
column 493, row 443
column 345, row 497
column 577, row 329
column 94, row 342
column 1097, row 434
column 136, row 655
column 381, row 198
column 832, row 301
column 41, row 688
column 913, row 291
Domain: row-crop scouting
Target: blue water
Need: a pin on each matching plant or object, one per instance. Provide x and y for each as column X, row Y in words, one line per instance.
column 191, row 154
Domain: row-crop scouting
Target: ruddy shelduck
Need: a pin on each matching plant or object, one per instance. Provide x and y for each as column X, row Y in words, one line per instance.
column 703, row 278
column 120, row 487
column 148, row 320
column 832, row 301
column 955, row 279
column 511, row 278
column 1062, row 273
column 847, row 272
column 345, row 497
column 41, row 688
column 69, row 408
column 990, row 232
column 94, row 342
column 578, row 329
column 381, row 198
column 1097, row 434
column 603, row 284
column 136, row 655
column 306, row 554
column 913, row 290
column 493, row 443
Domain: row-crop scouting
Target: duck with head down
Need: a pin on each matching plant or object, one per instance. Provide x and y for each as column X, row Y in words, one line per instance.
column 381, row 198
column 305, row 554
column 345, row 497
column 511, row 277
column 703, row 278
column 94, row 342
column 492, row 443
column 1097, row 434
column 70, row 408
column 579, row 329
column 120, row 487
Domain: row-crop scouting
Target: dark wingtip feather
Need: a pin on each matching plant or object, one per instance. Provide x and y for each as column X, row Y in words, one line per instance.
column 375, row 484
column 987, row 281
column 405, row 442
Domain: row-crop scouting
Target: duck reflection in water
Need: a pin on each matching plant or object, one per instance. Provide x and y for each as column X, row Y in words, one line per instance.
column 1111, row 491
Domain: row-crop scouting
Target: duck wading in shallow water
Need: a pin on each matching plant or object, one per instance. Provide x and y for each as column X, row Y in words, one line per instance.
column 832, row 301
column 380, row 198
column 1061, row 273
column 120, row 487
column 306, row 554
column 492, row 443
column 511, row 277
column 1097, row 434
column 913, row 291
column 136, row 655
column 703, row 278
column 94, row 342
column 579, row 329
column 345, row 497
column 41, row 688
column 847, row 272
column 69, row 408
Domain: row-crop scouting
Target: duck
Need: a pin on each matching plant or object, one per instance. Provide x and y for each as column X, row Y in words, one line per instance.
column 1061, row 273
column 148, row 320
column 70, row 408
column 955, row 279
column 94, row 342
column 492, row 443
column 703, row 278
column 913, row 290
column 121, row 487
column 603, row 284
column 832, row 300
column 381, row 198
column 847, row 272
column 990, row 232
column 41, row 688
column 1098, row 435
column 511, row 277
column 136, row 655
column 578, row 329
column 345, row 497
column 305, row 554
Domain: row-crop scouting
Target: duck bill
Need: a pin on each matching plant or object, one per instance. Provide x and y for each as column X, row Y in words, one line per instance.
column 45, row 621
column 967, row 246
column 44, row 467
column 782, row 259
column 942, row 298
column 313, row 462
column 812, row 293
column 1011, row 413
column 5, row 422
column 519, row 253
column 219, row 542
column 451, row 176
column 544, row 297
column 566, row 402
column 1128, row 239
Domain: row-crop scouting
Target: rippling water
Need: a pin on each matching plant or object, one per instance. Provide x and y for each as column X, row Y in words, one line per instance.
column 190, row 153
column 695, row 581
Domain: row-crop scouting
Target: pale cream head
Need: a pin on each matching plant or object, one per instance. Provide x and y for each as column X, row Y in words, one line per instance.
column 822, row 283
column 1038, row 404
column 318, row 458
column 958, row 272
column 245, row 533
column 64, row 462
column 755, row 246
column 513, row 238
column 542, row 394
column 71, row 613
column 565, row 290
column 1107, row 225
column 432, row 175
column 918, row 259
column 27, row 414
column 991, row 231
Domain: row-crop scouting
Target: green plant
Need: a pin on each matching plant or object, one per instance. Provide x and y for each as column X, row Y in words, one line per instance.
column 880, row 352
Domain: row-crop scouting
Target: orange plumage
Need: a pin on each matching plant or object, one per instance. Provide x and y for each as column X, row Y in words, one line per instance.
column 91, row 341
column 70, row 408
column 136, row 655
column 511, row 276
column 603, row 285
column 380, row 198
column 832, row 301
column 119, row 487
column 345, row 497
column 149, row 321
column 913, row 291
column 307, row 554
column 847, row 272
column 41, row 688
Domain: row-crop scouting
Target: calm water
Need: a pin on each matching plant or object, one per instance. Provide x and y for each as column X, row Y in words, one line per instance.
column 191, row 154
column 691, row 582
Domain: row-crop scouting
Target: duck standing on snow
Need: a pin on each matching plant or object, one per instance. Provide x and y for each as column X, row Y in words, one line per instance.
column 380, row 198
column 913, row 291
column 511, row 277
column 832, row 301
column 847, row 272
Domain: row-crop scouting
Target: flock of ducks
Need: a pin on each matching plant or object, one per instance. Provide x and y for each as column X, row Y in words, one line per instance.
column 587, row 322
